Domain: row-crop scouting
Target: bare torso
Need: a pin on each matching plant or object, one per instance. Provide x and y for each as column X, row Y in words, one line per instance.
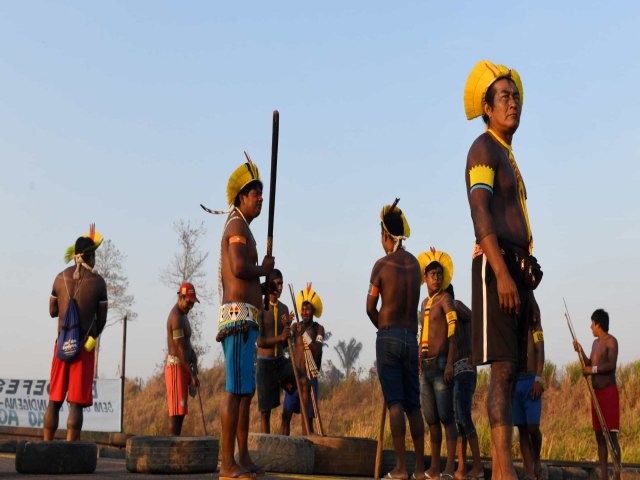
column 178, row 321
column 268, row 329
column 505, row 216
column 438, row 339
column 239, row 287
column 532, row 352
column 398, row 278
column 90, row 293
column 604, row 352
column 313, row 329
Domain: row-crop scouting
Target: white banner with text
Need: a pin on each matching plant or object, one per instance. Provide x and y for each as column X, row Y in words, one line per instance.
column 23, row 403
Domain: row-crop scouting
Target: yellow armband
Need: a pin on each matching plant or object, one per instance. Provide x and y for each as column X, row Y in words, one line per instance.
column 373, row 290
column 481, row 176
column 452, row 317
column 538, row 337
column 178, row 333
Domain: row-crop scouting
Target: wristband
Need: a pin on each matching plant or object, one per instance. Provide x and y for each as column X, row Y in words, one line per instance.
column 594, row 369
column 319, row 338
column 539, row 379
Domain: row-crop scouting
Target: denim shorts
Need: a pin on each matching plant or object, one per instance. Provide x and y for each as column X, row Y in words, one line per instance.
column 435, row 394
column 464, row 385
column 397, row 361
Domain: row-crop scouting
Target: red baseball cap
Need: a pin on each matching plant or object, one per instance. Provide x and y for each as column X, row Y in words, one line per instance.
column 188, row 290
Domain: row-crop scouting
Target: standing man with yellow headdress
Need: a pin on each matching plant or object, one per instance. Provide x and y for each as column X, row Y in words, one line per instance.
column 504, row 273
column 308, row 343
column 78, row 287
column 437, row 355
column 240, row 310
column 396, row 277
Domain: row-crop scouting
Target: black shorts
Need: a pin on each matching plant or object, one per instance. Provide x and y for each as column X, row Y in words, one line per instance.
column 272, row 374
column 496, row 336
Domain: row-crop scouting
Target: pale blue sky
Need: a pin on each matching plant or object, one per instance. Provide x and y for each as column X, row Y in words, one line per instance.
column 130, row 114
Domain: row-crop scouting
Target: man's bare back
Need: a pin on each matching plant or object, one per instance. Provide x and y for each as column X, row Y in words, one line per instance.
column 90, row 293
column 397, row 276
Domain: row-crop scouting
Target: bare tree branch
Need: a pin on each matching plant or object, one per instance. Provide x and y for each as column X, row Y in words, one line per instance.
column 188, row 265
column 110, row 265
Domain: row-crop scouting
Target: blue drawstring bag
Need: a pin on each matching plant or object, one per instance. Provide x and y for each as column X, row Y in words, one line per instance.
column 69, row 343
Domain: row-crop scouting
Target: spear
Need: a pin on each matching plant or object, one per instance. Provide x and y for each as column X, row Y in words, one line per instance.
column 596, row 405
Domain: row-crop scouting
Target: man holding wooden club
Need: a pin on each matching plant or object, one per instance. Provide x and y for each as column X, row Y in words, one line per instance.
column 396, row 278
column 240, row 312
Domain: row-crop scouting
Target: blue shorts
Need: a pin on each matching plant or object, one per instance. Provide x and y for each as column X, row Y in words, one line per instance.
column 525, row 410
column 292, row 400
column 239, row 354
column 464, row 385
column 436, row 395
column 397, row 361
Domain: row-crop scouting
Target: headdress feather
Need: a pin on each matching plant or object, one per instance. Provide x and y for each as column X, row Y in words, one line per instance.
column 308, row 295
column 432, row 255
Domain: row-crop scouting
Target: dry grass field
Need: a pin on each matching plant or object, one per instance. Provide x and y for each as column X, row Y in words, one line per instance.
column 352, row 407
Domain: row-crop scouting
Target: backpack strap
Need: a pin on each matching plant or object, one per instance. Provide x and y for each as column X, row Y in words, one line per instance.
column 67, row 287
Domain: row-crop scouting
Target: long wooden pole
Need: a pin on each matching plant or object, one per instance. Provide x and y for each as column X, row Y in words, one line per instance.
column 204, row 425
column 272, row 193
column 596, row 405
column 305, row 419
column 383, row 419
column 122, row 372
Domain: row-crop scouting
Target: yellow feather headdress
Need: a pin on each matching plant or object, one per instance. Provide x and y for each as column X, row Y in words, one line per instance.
column 308, row 295
column 240, row 178
column 480, row 79
column 432, row 255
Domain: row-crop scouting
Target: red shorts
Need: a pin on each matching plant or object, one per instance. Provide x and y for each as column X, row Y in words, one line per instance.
column 609, row 401
column 73, row 380
column 177, row 380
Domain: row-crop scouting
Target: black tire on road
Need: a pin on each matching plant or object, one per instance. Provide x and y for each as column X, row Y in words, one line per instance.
column 56, row 457
column 281, row 454
column 172, row 454
column 344, row 455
